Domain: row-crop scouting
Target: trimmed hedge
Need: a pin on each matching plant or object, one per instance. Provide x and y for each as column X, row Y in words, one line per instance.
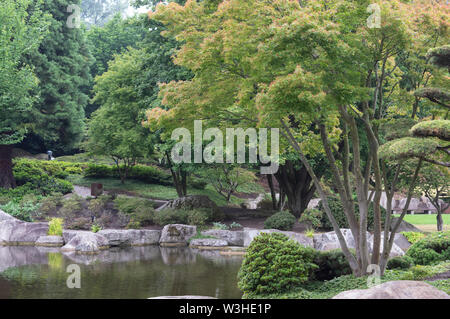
column 281, row 221
column 431, row 249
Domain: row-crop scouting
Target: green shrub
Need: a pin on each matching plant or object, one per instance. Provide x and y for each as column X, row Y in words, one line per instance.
column 431, row 249
column 197, row 217
column 338, row 213
column 401, row 262
column 413, row 236
column 331, row 264
column 196, row 183
column 281, row 220
column 55, row 227
column 221, row 226
column 50, row 203
column 312, row 216
column 139, row 210
column 170, row 216
column 70, row 207
column 133, row 224
column 274, row 263
column 235, row 225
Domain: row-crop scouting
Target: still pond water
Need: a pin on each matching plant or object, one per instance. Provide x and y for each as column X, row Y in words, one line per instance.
column 138, row 272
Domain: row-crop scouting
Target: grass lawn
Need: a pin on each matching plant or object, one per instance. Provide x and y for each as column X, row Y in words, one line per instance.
column 154, row 191
column 427, row 222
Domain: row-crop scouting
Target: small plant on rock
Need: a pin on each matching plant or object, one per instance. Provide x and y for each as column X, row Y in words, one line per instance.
column 55, row 227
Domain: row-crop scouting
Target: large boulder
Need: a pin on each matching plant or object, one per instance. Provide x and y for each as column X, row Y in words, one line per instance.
column 402, row 289
column 16, row 232
column 251, row 233
column 4, row 216
column 131, row 237
column 233, row 238
column 193, row 202
column 84, row 242
column 329, row 241
column 177, row 234
column 50, row 241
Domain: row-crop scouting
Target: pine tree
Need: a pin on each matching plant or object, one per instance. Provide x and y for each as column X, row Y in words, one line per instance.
column 62, row 64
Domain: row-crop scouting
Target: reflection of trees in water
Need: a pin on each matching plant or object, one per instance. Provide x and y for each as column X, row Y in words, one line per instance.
column 143, row 272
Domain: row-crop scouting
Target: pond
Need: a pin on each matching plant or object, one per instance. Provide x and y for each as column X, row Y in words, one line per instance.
column 136, row 272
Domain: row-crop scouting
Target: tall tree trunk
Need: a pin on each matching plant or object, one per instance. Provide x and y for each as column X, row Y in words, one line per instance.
column 439, row 220
column 6, row 174
column 297, row 185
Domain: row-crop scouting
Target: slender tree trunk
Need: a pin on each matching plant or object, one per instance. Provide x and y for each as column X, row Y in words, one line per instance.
column 6, row 174
column 439, row 220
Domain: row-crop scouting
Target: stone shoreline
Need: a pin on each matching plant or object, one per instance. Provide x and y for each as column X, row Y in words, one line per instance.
column 14, row 232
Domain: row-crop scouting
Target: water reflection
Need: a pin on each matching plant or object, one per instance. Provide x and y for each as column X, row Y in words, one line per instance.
column 137, row 272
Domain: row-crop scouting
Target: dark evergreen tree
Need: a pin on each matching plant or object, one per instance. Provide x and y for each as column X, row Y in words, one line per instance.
column 62, row 64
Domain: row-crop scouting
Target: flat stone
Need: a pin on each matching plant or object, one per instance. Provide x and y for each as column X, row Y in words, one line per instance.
column 131, row 237
column 233, row 238
column 177, row 234
column 401, row 289
column 50, row 241
column 208, row 243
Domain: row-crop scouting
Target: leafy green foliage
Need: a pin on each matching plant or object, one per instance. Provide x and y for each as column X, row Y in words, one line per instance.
column 22, row 31
column 431, row 249
column 114, row 128
column 23, row 210
column 55, row 227
column 281, row 220
column 274, row 263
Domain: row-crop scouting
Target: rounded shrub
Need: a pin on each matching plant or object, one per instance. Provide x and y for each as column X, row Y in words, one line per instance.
column 197, row 217
column 312, row 216
column 170, row 216
column 274, row 263
column 431, row 249
column 401, row 262
column 332, row 264
column 281, row 220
